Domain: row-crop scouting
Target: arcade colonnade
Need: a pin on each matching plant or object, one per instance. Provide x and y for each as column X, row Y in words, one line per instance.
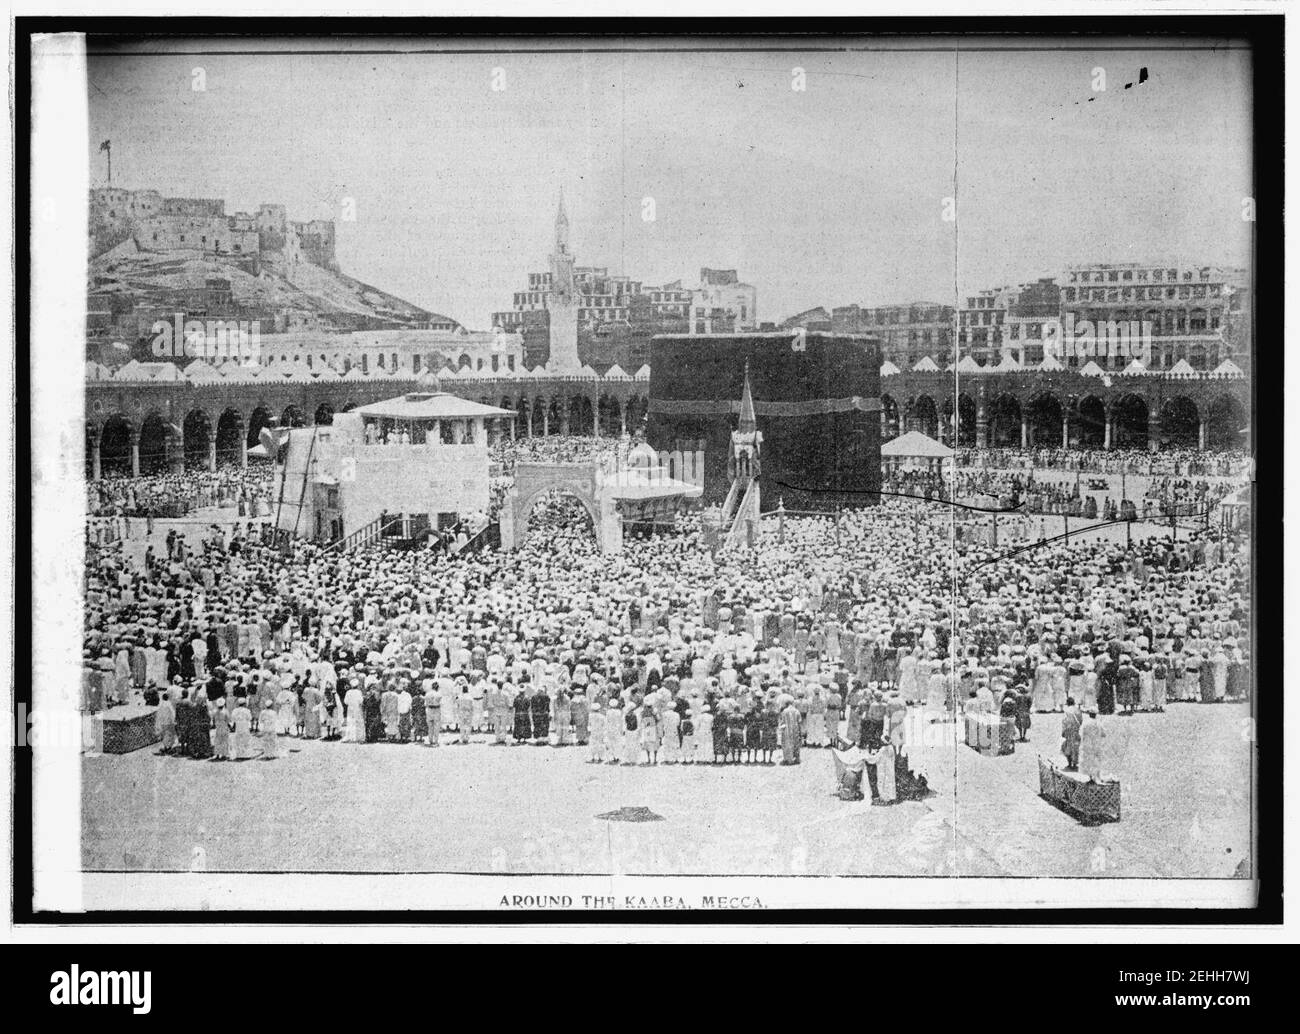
column 1035, row 410
column 173, row 426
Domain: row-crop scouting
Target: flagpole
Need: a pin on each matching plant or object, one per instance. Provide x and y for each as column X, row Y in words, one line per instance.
column 109, row 149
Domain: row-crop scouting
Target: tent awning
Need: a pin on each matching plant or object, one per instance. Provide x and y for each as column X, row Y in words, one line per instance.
column 914, row 444
column 431, row 406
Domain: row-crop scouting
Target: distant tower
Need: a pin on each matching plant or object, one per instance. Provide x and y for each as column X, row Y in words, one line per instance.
column 561, row 226
column 747, row 439
column 563, row 304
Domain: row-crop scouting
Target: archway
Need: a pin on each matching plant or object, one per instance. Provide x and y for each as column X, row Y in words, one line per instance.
column 196, row 431
column 555, row 513
column 889, row 418
column 1180, row 424
column 155, row 436
column 1004, row 422
column 552, row 421
column 115, row 446
column 324, row 415
column 259, row 418
column 292, row 417
column 610, row 417
column 1088, row 425
column 1225, row 423
column 580, row 415
column 636, row 415
column 1129, row 413
column 1045, row 416
column 966, row 415
column 230, row 430
column 926, row 415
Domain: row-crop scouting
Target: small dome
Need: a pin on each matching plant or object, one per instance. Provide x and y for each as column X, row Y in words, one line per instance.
column 643, row 456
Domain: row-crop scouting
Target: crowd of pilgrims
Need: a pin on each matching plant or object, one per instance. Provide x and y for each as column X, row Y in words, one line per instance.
column 1047, row 493
column 249, row 490
column 606, row 452
column 561, row 448
column 1178, row 462
column 824, row 635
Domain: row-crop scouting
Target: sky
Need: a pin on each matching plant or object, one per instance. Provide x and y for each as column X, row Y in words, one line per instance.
column 828, row 195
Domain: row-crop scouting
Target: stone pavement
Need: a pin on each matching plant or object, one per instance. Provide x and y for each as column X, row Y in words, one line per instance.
column 481, row 808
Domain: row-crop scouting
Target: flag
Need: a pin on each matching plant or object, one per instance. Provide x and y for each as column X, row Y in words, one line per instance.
column 104, row 146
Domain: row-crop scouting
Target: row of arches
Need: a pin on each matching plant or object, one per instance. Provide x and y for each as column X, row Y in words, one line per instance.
column 1047, row 421
column 605, row 415
column 204, row 440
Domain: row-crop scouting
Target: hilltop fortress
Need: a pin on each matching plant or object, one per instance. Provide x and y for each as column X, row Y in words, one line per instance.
column 165, row 224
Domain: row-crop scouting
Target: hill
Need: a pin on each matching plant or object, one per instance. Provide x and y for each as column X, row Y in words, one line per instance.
column 129, row 279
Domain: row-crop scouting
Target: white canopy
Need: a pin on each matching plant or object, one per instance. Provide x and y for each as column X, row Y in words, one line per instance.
column 916, row 444
column 436, row 405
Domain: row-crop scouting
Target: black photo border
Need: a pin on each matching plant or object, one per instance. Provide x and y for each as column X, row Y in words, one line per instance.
column 1263, row 33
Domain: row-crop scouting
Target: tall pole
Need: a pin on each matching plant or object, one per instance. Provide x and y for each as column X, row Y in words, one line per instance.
column 108, row 146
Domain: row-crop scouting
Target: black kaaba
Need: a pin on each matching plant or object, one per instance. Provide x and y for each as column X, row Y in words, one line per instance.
column 817, row 402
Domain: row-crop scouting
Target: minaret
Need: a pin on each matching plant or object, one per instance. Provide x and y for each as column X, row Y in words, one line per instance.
column 561, row 228
column 748, row 421
column 563, row 302
column 746, row 439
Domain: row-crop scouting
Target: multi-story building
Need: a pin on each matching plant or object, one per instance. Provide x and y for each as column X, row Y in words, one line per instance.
column 1010, row 321
column 407, row 351
column 907, row 332
column 1197, row 313
column 618, row 315
column 158, row 223
column 722, row 304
